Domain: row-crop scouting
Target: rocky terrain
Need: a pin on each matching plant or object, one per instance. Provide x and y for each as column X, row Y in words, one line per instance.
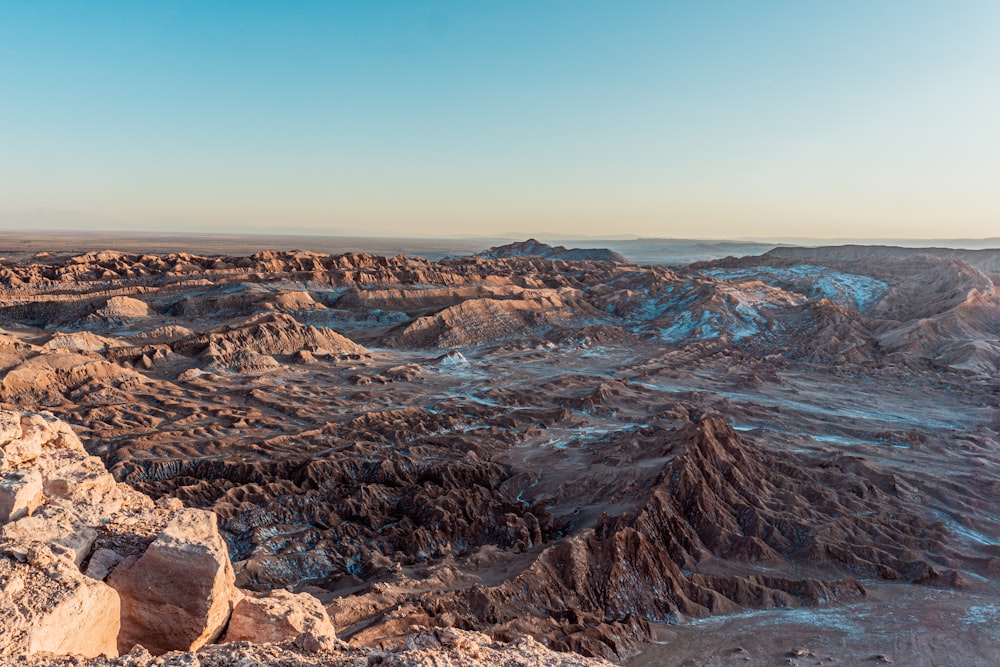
column 93, row 569
column 531, row 442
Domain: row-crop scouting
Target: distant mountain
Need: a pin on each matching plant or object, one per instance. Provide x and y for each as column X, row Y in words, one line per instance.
column 535, row 248
column 986, row 259
column 956, row 243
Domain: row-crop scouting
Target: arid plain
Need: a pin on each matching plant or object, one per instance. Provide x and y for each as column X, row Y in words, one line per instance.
column 779, row 458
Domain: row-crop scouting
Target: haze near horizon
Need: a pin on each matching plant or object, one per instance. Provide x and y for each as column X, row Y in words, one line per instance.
column 710, row 120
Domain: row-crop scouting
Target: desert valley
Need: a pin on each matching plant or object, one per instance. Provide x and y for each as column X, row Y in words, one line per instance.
column 780, row 457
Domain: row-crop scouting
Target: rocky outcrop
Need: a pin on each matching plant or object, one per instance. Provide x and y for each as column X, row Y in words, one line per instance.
column 987, row 259
column 91, row 567
column 178, row 595
column 20, row 494
column 480, row 320
column 53, row 492
column 423, row 648
column 108, row 267
column 48, row 605
column 724, row 525
column 270, row 334
column 721, row 500
column 123, row 308
column 281, row 616
column 49, row 379
column 910, row 306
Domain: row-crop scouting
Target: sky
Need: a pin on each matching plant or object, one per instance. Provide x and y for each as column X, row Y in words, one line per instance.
column 714, row 119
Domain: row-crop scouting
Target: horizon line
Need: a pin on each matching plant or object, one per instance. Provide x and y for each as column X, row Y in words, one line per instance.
column 504, row 236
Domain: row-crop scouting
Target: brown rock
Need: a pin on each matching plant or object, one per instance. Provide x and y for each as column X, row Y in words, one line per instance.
column 45, row 428
column 437, row 648
column 72, row 475
column 282, row 617
column 102, row 562
column 10, row 426
column 178, row 595
column 63, row 612
column 20, row 494
column 36, row 429
column 305, row 357
column 86, row 623
column 123, row 307
column 273, row 333
column 22, row 451
column 56, row 528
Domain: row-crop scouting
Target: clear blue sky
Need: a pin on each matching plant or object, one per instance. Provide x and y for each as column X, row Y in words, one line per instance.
column 690, row 119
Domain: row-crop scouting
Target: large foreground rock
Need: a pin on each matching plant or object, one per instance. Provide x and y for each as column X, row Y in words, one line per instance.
column 48, row 605
column 178, row 595
column 282, row 616
column 63, row 515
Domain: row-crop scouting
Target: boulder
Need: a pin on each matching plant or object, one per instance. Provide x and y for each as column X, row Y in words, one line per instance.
column 83, row 483
column 10, row 427
column 47, row 605
column 85, row 622
column 20, row 494
column 179, row 594
column 55, row 528
column 282, row 616
column 45, row 429
column 22, row 436
column 22, row 451
column 102, row 562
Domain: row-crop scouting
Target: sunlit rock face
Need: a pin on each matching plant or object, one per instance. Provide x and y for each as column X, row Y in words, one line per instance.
column 178, row 595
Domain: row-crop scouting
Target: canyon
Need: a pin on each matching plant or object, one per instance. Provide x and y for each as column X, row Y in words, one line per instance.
column 521, row 455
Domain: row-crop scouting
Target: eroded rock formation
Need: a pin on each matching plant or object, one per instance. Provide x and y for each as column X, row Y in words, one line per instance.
column 612, row 446
column 91, row 567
